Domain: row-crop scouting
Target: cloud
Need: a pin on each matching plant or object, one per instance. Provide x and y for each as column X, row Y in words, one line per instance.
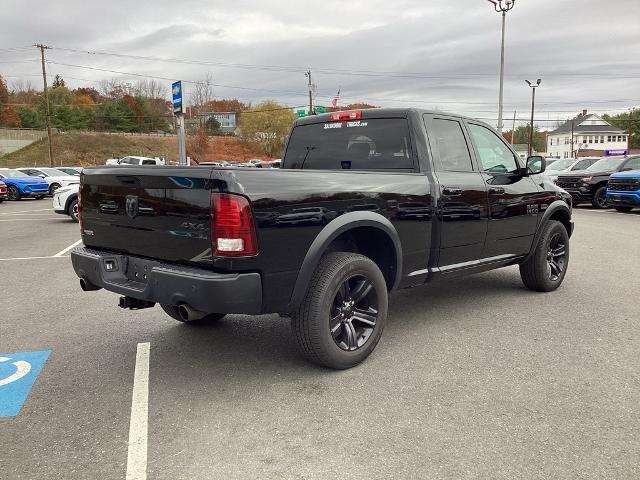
column 585, row 52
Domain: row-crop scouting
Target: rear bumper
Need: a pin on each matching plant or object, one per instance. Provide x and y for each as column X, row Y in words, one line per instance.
column 170, row 284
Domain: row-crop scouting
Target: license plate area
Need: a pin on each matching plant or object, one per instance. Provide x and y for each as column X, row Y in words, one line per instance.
column 138, row 270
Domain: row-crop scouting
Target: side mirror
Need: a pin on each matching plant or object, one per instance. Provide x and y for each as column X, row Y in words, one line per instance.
column 41, row 175
column 536, row 164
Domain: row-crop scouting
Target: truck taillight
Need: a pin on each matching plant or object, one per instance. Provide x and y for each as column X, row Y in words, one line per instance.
column 80, row 209
column 233, row 232
column 346, row 116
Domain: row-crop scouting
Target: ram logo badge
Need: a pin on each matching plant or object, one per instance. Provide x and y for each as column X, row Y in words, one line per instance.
column 131, row 206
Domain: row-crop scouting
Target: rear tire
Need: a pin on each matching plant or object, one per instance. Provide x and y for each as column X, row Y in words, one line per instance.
column 599, row 199
column 343, row 313
column 624, row 209
column 13, row 193
column 172, row 311
column 546, row 269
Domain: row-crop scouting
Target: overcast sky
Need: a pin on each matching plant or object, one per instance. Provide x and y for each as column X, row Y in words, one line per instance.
column 433, row 54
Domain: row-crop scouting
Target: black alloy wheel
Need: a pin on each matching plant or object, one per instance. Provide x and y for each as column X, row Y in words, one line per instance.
column 13, row 193
column 545, row 269
column 556, row 255
column 354, row 313
column 599, row 199
column 342, row 316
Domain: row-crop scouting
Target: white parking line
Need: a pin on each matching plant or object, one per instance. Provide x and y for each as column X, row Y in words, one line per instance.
column 26, row 211
column 22, row 220
column 138, row 426
column 62, row 252
column 32, row 258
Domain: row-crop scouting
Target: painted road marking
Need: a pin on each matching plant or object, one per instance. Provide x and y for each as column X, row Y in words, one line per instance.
column 27, row 211
column 32, row 258
column 62, row 252
column 18, row 373
column 138, row 426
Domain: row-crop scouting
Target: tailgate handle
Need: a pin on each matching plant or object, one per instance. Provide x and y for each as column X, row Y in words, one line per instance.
column 128, row 180
column 108, row 207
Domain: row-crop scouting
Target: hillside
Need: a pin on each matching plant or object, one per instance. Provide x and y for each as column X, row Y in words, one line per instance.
column 95, row 148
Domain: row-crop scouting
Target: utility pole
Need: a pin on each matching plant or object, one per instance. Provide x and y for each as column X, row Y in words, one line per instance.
column 513, row 127
column 308, row 75
column 572, row 138
column 533, row 107
column 46, row 101
column 502, row 6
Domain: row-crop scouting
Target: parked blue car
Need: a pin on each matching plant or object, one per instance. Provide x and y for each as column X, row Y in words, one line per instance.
column 20, row 185
column 623, row 190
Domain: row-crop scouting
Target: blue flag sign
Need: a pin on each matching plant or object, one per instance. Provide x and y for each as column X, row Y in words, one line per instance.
column 176, row 94
column 18, row 373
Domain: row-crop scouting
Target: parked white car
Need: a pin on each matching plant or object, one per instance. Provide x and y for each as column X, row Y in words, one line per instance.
column 565, row 165
column 133, row 160
column 54, row 177
column 65, row 201
column 75, row 171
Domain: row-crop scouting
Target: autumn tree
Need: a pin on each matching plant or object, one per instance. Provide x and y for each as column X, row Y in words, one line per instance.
column 198, row 144
column 9, row 118
column 267, row 125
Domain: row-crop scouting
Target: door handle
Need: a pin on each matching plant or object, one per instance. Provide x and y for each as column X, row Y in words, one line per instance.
column 451, row 191
column 496, row 190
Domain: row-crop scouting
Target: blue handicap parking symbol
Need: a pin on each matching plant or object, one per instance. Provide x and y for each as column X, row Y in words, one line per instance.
column 18, row 372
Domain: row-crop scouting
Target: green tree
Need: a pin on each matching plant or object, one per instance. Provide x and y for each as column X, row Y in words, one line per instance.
column 114, row 116
column 213, row 126
column 58, row 81
column 267, row 125
column 630, row 123
column 522, row 136
column 30, row 118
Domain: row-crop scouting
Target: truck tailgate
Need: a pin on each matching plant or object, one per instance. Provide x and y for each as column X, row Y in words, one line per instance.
column 157, row 212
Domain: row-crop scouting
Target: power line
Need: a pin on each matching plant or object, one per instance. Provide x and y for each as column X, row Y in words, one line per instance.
column 341, row 71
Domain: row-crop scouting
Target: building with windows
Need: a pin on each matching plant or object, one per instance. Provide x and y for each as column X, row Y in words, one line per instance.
column 227, row 120
column 587, row 135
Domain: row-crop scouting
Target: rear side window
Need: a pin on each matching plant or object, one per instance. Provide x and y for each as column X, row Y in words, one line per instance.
column 368, row 144
column 148, row 162
column 453, row 151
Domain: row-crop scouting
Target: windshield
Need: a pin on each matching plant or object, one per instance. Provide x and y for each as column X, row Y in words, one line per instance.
column 52, row 172
column 368, row 144
column 7, row 173
column 611, row 163
column 560, row 165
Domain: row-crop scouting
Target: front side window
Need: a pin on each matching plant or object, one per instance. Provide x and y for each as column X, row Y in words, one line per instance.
column 495, row 156
column 366, row 144
column 453, row 151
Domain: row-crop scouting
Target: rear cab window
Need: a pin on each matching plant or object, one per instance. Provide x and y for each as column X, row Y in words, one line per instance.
column 371, row 144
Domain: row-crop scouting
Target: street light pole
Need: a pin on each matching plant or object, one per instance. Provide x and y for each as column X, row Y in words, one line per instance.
column 533, row 107
column 502, row 6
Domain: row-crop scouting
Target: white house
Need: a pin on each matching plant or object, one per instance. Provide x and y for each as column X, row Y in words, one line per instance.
column 592, row 136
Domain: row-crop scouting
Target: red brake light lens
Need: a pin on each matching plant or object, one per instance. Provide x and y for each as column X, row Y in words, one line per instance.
column 346, row 116
column 233, row 232
column 80, row 209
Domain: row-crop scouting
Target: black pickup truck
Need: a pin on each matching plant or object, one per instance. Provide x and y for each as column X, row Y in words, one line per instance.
column 590, row 185
column 366, row 202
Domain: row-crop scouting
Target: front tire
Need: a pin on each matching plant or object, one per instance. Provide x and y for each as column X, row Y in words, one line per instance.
column 624, row 209
column 343, row 313
column 13, row 193
column 599, row 199
column 53, row 187
column 172, row 311
column 546, row 269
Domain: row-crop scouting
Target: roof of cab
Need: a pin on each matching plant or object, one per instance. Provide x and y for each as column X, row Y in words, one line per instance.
column 379, row 113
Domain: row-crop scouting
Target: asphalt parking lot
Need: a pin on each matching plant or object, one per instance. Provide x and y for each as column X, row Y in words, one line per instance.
column 473, row 378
